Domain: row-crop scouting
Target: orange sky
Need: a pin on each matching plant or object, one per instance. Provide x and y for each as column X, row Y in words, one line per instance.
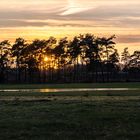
column 43, row 18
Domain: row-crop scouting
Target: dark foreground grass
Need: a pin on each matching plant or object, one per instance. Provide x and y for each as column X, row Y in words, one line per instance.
column 70, row 120
column 99, row 115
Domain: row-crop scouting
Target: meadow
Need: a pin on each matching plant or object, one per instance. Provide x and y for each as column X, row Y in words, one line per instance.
column 83, row 115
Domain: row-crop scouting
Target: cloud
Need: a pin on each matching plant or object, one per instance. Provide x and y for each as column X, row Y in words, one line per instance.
column 129, row 39
column 74, row 6
column 73, row 10
column 68, row 17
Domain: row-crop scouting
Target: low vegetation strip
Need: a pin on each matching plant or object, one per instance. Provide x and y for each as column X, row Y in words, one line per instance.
column 69, row 90
column 70, row 99
column 76, row 85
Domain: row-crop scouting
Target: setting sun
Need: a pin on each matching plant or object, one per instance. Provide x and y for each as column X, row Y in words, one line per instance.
column 46, row 58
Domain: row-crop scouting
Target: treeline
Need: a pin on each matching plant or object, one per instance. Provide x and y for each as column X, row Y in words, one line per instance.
column 85, row 58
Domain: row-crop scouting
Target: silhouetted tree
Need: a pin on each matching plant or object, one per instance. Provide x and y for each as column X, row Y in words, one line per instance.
column 17, row 50
column 135, row 60
column 60, row 55
column 4, row 59
column 83, row 58
column 125, row 58
column 108, row 44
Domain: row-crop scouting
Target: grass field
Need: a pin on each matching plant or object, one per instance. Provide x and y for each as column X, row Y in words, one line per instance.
column 109, row 115
column 79, row 85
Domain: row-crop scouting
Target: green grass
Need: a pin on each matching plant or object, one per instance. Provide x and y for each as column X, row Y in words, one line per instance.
column 70, row 120
column 83, row 85
column 82, row 94
column 100, row 115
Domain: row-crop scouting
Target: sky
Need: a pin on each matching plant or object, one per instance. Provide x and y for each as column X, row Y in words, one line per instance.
column 33, row 19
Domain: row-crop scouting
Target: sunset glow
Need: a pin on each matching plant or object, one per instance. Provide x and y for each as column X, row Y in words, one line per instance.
column 46, row 58
column 43, row 18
